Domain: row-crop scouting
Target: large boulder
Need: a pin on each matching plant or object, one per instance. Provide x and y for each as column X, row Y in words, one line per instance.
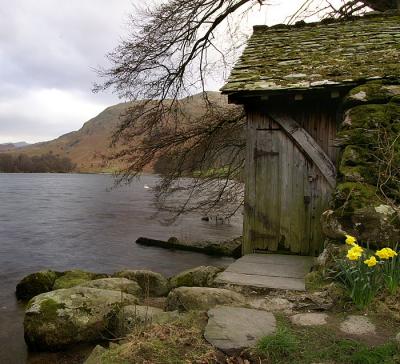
column 36, row 283
column 201, row 298
column 75, row 277
column 152, row 284
column 202, row 276
column 57, row 319
column 115, row 284
column 134, row 317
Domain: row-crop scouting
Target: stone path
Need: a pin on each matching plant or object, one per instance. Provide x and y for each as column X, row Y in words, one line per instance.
column 268, row 271
column 232, row 329
column 358, row 325
column 310, row 319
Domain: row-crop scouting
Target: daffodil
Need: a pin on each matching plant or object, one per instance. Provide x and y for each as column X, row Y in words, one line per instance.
column 357, row 248
column 354, row 253
column 371, row 262
column 386, row 253
column 350, row 240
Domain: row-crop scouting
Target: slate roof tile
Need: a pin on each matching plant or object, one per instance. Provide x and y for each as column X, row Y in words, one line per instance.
column 317, row 55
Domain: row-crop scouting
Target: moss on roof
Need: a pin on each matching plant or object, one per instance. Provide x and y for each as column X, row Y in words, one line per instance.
column 317, row 55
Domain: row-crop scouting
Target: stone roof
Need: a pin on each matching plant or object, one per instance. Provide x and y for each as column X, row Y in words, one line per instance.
column 317, row 55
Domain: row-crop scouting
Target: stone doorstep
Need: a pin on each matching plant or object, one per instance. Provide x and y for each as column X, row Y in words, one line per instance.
column 273, row 271
column 258, row 281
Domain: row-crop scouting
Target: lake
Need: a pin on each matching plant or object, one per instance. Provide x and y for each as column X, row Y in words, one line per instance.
column 66, row 221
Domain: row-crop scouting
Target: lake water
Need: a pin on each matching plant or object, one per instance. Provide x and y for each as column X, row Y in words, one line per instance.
column 66, row 221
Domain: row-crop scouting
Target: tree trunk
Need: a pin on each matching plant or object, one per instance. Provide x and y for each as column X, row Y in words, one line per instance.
column 382, row 5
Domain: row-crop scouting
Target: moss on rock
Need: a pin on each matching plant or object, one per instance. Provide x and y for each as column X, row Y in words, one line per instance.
column 151, row 283
column 202, row 276
column 74, row 278
column 368, row 178
column 36, row 283
column 57, row 319
column 350, row 196
column 376, row 92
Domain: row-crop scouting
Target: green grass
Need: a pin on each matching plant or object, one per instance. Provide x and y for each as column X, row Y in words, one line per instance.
column 308, row 345
column 283, row 344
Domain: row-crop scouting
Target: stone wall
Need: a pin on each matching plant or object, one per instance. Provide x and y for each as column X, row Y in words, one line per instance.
column 366, row 201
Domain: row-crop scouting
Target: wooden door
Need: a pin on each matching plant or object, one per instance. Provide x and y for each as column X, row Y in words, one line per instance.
column 289, row 183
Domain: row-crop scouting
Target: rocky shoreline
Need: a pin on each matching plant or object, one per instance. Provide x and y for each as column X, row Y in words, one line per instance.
column 137, row 315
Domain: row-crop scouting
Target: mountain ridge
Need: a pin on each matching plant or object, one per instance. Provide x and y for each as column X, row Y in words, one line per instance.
column 88, row 146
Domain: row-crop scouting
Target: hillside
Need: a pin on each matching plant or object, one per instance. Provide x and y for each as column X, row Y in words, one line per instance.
column 5, row 147
column 87, row 146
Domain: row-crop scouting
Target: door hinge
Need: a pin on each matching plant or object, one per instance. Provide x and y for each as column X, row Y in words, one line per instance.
column 261, row 153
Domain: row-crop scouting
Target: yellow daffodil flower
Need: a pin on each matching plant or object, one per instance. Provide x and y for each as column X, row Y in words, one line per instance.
column 357, row 248
column 386, row 253
column 354, row 253
column 350, row 240
column 371, row 262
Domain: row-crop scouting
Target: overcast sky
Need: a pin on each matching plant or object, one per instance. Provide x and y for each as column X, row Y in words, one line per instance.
column 48, row 50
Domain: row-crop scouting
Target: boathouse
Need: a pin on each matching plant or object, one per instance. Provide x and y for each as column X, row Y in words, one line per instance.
column 293, row 82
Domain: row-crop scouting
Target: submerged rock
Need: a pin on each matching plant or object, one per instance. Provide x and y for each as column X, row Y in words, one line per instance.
column 201, row 298
column 202, row 276
column 57, row 319
column 75, row 277
column 153, row 284
column 115, row 284
column 36, row 283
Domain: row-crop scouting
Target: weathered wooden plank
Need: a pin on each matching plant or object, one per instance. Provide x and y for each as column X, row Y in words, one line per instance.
column 286, row 161
column 308, row 145
column 267, row 215
column 250, row 184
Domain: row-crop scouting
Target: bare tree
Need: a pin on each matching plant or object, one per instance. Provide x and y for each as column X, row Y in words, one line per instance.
column 171, row 50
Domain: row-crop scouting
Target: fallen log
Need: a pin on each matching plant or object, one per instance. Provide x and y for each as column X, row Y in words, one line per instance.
column 229, row 248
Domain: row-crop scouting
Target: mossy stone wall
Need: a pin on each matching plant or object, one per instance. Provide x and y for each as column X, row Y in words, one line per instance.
column 366, row 201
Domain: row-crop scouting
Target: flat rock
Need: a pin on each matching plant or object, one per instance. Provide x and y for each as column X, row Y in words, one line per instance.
column 115, row 284
column 272, row 304
column 357, row 325
column 310, row 319
column 232, row 329
column 201, row 298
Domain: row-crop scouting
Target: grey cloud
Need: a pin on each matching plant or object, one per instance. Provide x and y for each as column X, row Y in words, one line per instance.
column 54, row 45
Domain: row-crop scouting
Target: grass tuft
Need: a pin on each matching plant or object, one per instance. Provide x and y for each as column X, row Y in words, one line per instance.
column 282, row 344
